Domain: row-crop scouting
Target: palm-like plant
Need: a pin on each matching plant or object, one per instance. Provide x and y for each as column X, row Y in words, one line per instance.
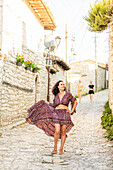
column 100, row 15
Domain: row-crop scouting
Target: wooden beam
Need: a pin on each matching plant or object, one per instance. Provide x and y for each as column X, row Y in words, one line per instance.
column 49, row 28
column 34, row 4
column 33, row 0
column 42, row 9
column 41, row 12
column 31, row 9
column 48, row 11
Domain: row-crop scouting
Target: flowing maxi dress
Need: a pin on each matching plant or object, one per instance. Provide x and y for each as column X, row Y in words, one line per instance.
column 45, row 116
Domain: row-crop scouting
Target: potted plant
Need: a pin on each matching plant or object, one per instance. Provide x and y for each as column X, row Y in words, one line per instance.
column 28, row 65
column 19, row 59
column 35, row 68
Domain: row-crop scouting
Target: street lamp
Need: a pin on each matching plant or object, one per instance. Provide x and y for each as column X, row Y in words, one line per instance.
column 49, row 63
column 58, row 40
column 48, row 66
column 50, row 46
column 48, row 59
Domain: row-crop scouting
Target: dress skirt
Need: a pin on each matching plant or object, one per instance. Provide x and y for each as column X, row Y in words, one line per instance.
column 45, row 117
column 91, row 92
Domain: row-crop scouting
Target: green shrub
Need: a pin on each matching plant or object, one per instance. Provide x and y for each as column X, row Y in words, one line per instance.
column 106, row 105
column 85, row 94
column 110, row 135
column 107, row 121
column 107, row 110
column 76, row 96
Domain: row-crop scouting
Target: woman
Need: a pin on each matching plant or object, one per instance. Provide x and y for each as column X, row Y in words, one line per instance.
column 54, row 118
column 79, row 90
column 91, row 90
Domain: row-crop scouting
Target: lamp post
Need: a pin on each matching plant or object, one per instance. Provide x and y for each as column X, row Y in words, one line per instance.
column 49, row 61
column 58, row 40
column 48, row 73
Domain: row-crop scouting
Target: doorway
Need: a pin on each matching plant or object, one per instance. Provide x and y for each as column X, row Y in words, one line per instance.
column 37, row 89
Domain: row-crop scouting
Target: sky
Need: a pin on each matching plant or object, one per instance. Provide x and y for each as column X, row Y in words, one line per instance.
column 71, row 12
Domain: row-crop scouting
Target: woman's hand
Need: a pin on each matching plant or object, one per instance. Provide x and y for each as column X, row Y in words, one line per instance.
column 46, row 102
column 70, row 111
column 73, row 110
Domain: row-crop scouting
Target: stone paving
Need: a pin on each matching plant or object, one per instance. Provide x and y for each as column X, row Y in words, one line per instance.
column 25, row 147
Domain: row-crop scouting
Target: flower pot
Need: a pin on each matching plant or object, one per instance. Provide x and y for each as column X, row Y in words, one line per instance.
column 19, row 63
column 34, row 70
column 28, row 68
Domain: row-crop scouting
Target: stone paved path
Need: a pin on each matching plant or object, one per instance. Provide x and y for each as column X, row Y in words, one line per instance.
column 26, row 147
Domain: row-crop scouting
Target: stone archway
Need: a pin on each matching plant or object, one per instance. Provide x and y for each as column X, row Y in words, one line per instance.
column 37, row 89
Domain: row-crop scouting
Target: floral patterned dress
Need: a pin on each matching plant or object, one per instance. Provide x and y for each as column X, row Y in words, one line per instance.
column 45, row 116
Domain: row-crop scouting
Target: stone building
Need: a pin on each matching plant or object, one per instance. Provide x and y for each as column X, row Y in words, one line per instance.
column 22, row 30
column 111, row 67
column 85, row 71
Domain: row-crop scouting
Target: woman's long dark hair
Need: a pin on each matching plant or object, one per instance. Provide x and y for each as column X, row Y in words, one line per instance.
column 55, row 89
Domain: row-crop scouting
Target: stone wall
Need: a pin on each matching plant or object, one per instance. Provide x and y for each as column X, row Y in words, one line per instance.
column 20, row 88
column 1, row 71
column 1, row 19
column 18, row 92
column 101, row 78
column 111, row 68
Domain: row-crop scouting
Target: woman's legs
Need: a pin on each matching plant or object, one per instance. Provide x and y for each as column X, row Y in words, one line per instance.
column 56, row 137
column 79, row 96
column 91, row 97
column 63, row 138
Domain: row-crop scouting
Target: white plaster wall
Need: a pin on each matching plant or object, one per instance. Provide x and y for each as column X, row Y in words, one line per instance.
column 14, row 13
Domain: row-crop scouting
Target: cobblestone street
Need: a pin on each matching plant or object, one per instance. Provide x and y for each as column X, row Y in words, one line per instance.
column 25, row 147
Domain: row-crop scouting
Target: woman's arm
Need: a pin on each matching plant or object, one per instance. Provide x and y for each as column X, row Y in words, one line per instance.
column 88, row 89
column 46, row 102
column 73, row 101
column 51, row 104
column 74, row 107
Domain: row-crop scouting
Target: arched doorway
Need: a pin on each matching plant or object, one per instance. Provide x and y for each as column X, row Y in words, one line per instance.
column 37, row 89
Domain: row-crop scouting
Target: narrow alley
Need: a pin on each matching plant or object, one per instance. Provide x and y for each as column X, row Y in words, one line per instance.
column 26, row 147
